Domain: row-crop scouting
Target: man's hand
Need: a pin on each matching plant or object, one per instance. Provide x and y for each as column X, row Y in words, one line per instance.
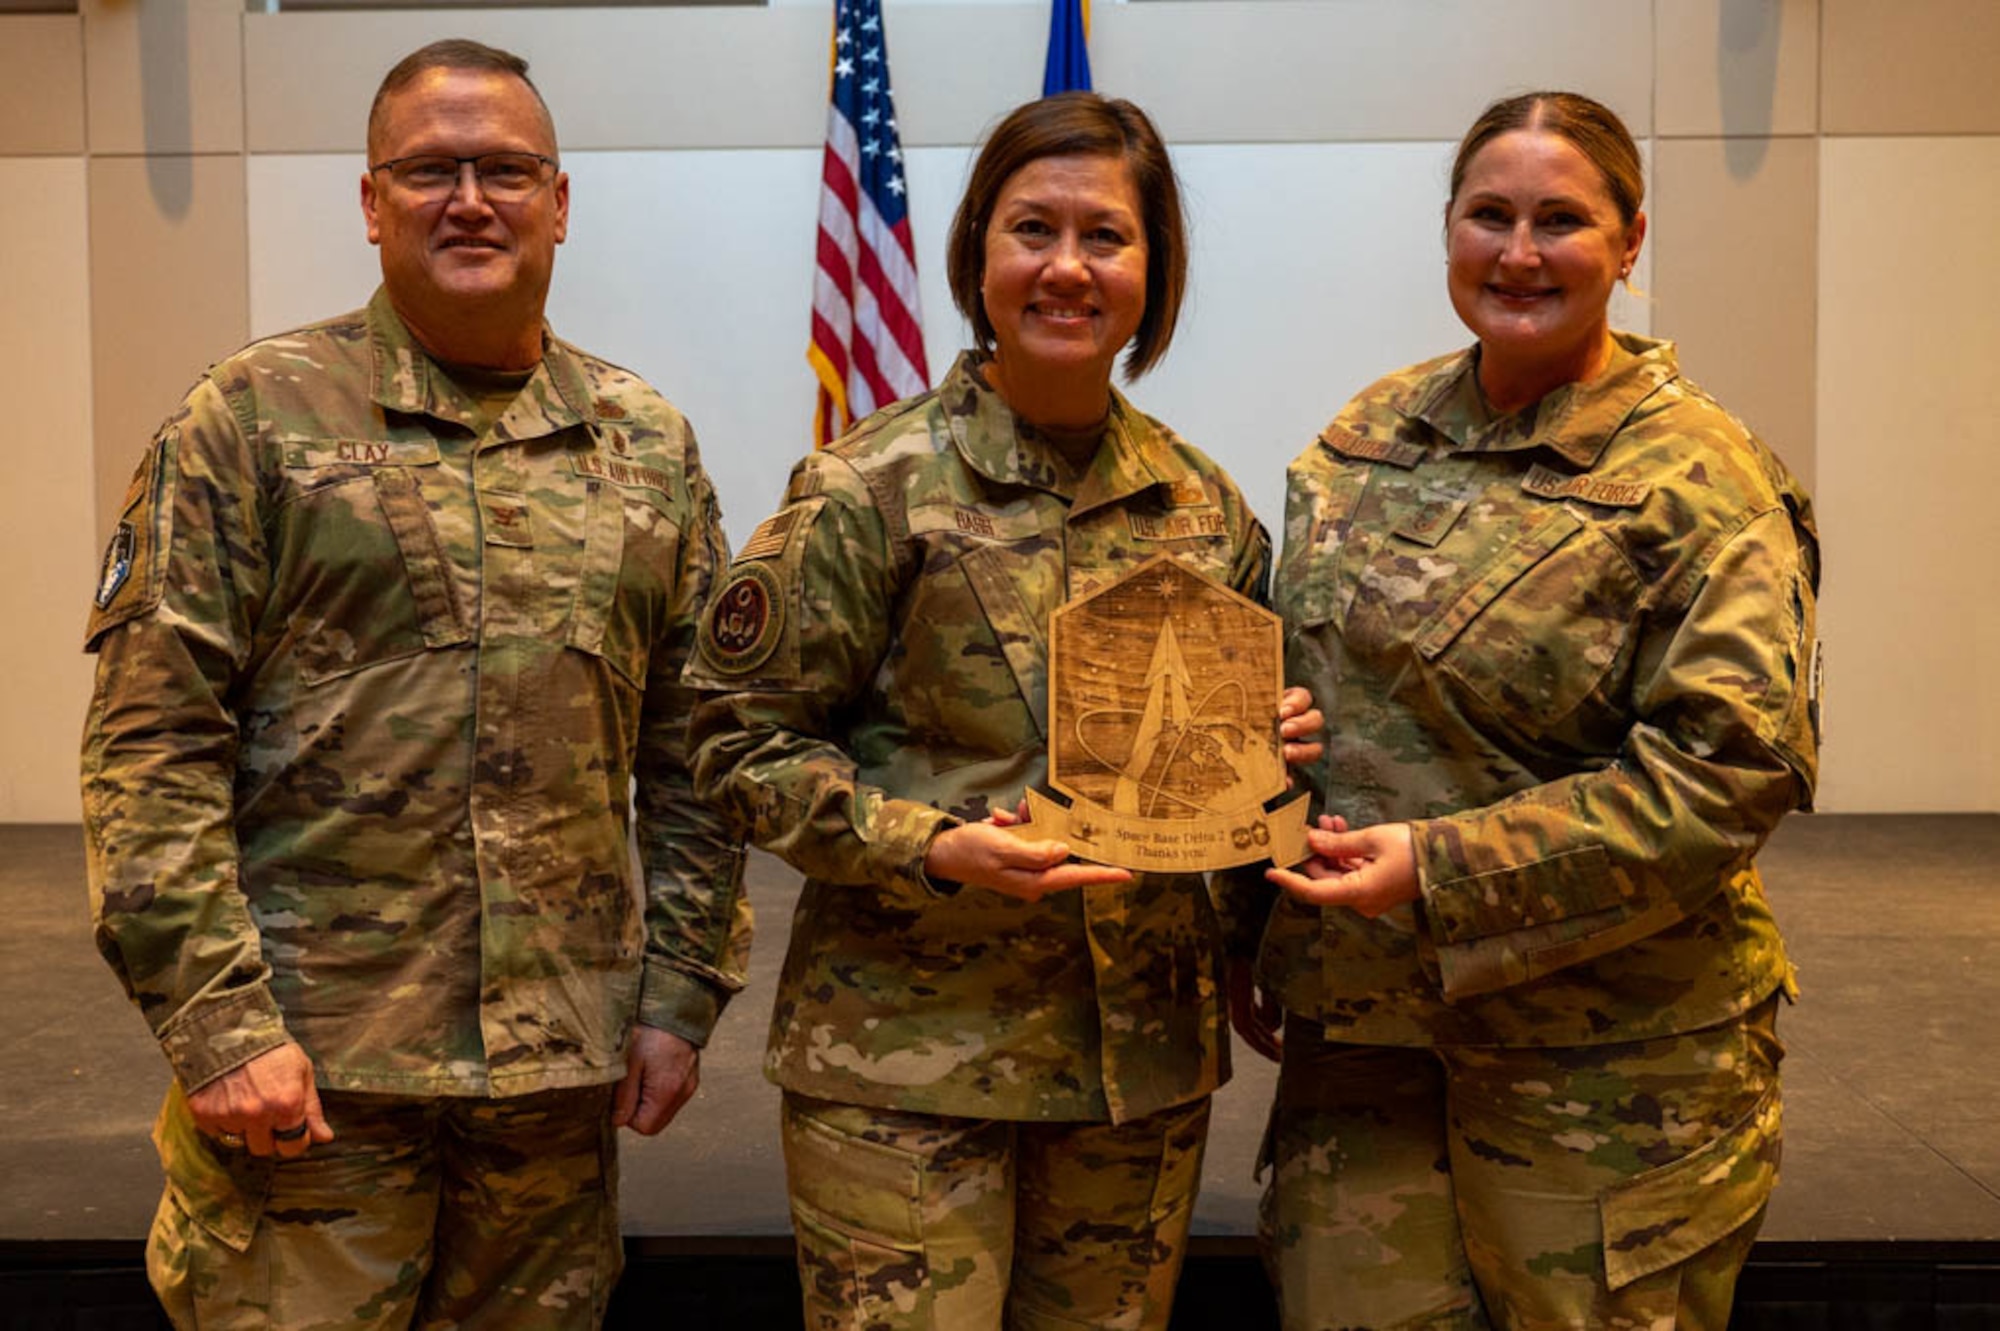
column 661, row 1073
column 1299, row 727
column 981, row 855
column 1371, row 871
column 269, row 1106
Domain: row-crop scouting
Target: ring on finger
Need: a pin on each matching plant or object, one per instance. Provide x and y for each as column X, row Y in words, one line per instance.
column 291, row 1134
column 231, row 1140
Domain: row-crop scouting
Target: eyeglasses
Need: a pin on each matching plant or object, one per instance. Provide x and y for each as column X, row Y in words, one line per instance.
column 502, row 177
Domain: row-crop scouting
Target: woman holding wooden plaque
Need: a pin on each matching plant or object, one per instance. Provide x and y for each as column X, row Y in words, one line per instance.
column 996, row 1061
column 1560, row 606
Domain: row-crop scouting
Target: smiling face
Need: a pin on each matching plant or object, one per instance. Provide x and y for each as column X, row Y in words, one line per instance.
column 464, row 274
column 1064, row 284
column 1535, row 245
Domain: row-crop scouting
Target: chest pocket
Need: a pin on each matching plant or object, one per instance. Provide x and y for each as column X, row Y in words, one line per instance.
column 972, row 669
column 629, row 573
column 1320, row 502
column 363, row 576
column 1541, row 627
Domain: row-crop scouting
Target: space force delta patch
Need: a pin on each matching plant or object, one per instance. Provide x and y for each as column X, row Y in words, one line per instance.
column 117, row 565
column 744, row 622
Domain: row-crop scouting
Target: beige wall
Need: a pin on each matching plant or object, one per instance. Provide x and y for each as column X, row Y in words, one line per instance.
column 179, row 175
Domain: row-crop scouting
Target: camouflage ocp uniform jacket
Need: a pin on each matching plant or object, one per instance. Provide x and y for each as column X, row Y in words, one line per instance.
column 884, row 642
column 372, row 688
column 1575, row 648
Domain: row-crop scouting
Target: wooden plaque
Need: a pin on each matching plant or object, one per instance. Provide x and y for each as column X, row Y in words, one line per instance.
column 1163, row 727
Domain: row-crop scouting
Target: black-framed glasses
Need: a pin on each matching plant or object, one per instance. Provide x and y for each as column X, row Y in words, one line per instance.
column 502, row 177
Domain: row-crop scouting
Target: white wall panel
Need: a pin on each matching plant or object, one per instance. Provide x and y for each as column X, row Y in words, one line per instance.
column 47, row 543
column 1217, row 71
column 1909, row 464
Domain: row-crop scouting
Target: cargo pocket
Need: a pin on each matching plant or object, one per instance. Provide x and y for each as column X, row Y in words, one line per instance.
column 855, row 1207
column 222, row 1192
column 1665, row 1216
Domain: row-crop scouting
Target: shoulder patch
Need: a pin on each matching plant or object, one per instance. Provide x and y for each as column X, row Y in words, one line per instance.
column 771, row 535
column 117, row 566
column 744, row 621
column 131, row 578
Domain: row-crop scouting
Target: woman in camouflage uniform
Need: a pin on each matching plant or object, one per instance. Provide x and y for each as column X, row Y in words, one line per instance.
column 1561, row 606
column 996, row 1063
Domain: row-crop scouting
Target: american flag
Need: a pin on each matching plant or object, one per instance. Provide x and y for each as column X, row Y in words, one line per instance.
column 867, row 332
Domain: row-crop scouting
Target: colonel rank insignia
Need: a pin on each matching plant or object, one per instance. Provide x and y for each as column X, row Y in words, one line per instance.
column 1163, row 727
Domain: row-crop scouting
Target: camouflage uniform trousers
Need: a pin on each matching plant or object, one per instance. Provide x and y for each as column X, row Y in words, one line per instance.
column 919, row 1222
column 433, row 1212
column 1614, row 1185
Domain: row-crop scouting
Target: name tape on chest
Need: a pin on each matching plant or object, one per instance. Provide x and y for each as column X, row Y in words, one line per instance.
column 1177, row 526
column 1552, row 484
column 632, row 474
column 1392, row 451
column 1016, row 523
column 362, row 453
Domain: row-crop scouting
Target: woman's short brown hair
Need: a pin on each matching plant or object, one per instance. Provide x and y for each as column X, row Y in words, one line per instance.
column 1593, row 127
column 1059, row 126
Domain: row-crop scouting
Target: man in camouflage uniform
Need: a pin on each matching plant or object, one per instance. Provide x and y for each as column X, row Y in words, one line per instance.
column 1567, row 660
column 393, row 619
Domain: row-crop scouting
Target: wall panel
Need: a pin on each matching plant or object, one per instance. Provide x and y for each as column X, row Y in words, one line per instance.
column 47, row 543
column 1914, row 67
column 1212, row 70
column 1909, row 462
column 41, row 84
column 165, row 76
column 1247, row 71
column 1737, row 67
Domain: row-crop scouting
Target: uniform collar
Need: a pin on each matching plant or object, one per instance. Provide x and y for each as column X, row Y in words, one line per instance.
column 999, row 447
column 1575, row 422
column 405, row 378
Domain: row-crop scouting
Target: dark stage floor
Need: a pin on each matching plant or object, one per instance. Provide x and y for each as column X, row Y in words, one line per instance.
column 1892, row 1083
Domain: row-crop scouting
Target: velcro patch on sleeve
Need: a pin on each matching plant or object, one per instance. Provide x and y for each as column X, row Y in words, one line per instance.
column 745, row 620
column 132, row 575
column 769, row 540
column 117, row 566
